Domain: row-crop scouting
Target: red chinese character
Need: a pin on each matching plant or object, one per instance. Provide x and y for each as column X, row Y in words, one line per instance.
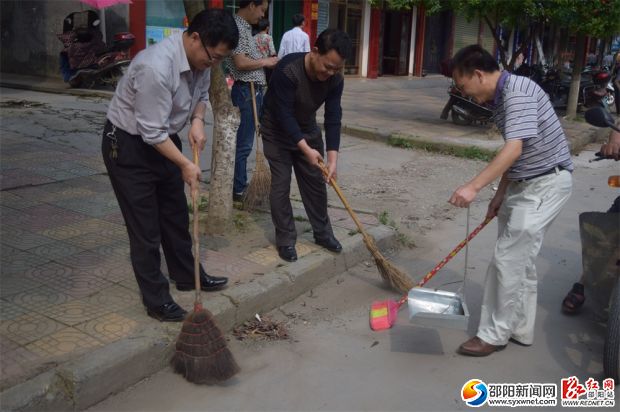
column 572, row 389
column 591, row 384
column 608, row 384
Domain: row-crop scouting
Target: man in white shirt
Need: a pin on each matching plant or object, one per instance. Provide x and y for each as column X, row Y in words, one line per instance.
column 295, row 40
column 166, row 87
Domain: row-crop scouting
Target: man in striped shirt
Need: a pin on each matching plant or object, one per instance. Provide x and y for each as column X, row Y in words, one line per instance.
column 535, row 168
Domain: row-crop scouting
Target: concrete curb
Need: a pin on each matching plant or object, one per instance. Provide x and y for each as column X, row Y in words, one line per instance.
column 55, row 88
column 89, row 379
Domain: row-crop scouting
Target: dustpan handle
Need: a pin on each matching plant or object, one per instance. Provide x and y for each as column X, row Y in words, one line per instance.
column 456, row 250
column 255, row 112
column 445, row 260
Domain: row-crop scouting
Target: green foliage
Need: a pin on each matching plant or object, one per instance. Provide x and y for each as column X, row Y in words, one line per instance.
column 599, row 18
column 467, row 152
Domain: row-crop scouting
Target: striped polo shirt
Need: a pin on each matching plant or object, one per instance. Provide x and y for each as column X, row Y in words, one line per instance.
column 523, row 111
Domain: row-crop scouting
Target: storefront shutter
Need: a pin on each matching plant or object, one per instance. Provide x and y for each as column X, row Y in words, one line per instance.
column 465, row 33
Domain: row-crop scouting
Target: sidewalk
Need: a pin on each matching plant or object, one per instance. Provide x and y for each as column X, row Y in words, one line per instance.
column 72, row 329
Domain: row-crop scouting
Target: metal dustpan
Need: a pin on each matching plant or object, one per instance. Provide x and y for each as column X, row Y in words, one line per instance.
column 437, row 308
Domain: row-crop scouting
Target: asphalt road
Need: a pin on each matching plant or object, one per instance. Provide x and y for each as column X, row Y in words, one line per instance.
column 334, row 362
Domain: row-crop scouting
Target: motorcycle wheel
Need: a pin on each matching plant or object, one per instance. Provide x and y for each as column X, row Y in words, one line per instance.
column 611, row 353
column 609, row 99
column 459, row 119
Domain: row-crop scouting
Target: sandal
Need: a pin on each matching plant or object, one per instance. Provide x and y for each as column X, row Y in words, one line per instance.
column 574, row 299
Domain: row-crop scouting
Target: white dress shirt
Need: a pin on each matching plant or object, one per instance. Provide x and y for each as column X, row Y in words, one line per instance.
column 156, row 96
column 294, row 41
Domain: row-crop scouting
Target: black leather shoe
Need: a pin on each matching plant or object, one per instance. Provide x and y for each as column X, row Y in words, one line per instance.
column 170, row 312
column 287, row 253
column 207, row 283
column 239, row 197
column 330, row 243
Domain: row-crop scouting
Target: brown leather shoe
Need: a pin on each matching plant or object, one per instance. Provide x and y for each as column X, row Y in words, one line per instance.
column 477, row 347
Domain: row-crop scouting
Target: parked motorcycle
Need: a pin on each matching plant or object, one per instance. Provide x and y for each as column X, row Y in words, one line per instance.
column 594, row 87
column 600, row 237
column 86, row 61
column 464, row 110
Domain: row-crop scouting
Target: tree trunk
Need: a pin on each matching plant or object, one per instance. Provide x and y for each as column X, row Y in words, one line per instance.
column 193, row 7
column 573, row 95
column 225, row 125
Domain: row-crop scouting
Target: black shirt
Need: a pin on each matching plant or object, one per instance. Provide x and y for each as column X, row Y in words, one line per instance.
column 291, row 102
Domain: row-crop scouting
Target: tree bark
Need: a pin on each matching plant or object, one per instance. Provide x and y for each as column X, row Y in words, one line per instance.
column 225, row 125
column 573, row 95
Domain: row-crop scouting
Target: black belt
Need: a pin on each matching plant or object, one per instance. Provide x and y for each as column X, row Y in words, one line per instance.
column 554, row 169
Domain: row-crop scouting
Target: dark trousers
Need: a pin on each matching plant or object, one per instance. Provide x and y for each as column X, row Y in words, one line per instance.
column 311, row 185
column 617, row 98
column 149, row 190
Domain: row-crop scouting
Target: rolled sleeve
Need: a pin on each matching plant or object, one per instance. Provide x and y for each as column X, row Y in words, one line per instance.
column 153, row 105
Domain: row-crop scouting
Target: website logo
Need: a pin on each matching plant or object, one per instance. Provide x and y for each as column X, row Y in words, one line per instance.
column 588, row 394
column 474, row 393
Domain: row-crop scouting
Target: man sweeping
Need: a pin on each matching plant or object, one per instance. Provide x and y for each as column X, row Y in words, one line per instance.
column 165, row 88
column 300, row 84
column 535, row 168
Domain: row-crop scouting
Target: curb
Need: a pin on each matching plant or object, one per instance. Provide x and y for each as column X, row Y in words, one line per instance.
column 89, row 379
column 56, row 89
column 576, row 142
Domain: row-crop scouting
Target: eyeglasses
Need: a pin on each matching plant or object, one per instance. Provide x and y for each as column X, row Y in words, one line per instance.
column 211, row 58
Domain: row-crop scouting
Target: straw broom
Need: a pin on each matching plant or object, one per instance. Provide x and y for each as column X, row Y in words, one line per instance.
column 257, row 193
column 201, row 353
column 390, row 273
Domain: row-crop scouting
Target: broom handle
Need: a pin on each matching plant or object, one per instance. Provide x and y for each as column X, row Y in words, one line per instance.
column 255, row 111
column 332, row 182
column 445, row 260
column 195, row 230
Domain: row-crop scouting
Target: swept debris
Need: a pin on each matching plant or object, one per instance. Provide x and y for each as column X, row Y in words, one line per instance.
column 261, row 329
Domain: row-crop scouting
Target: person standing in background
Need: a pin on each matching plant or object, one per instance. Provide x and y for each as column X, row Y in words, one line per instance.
column 247, row 67
column 264, row 41
column 295, row 40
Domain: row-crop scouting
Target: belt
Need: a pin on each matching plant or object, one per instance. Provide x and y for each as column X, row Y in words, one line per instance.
column 554, row 169
column 248, row 83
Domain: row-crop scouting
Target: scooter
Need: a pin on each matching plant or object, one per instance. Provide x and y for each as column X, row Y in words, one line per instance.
column 86, row 61
column 465, row 111
column 600, row 240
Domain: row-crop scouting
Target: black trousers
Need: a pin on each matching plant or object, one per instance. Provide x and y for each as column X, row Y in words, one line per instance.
column 282, row 159
column 150, row 192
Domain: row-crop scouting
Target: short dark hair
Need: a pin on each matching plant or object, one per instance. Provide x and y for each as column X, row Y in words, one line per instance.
column 471, row 58
column 245, row 3
column 334, row 39
column 263, row 24
column 215, row 26
column 298, row 19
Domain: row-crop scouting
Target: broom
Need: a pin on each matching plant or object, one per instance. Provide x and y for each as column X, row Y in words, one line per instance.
column 390, row 273
column 257, row 193
column 201, row 353
column 383, row 313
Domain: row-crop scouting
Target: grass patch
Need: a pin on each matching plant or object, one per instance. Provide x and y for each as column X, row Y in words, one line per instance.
column 203, row 204
column 386, row 220
column 353, row 232
column 405, row 240
column 299, row 218
column 241, row 222
column 467, row 152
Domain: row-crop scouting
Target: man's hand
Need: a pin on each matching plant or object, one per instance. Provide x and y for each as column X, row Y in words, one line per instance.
column 463, row 196
column 494, row 205
column 196, row 135
column 612, row 147
column 312, row 156
column 332, row 165
column 191, row 175
column 270, row 62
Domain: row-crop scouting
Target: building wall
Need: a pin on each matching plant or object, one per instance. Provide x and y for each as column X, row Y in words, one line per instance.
column 29, row 29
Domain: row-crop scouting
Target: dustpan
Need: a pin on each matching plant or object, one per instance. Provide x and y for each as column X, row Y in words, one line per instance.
column 438, row 308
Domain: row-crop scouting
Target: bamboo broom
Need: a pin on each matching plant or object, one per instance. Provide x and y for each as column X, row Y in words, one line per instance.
column 257, row 193
column 202, row 355
column 390, row 273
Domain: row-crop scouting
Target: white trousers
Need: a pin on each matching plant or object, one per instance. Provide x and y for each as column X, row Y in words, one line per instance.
column 510, row 291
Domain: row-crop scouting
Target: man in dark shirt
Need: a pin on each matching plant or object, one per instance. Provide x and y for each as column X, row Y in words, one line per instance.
column 299, row 85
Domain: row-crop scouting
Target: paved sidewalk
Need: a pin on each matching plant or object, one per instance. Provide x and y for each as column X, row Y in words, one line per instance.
column 72, row 326
column 72, row 329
